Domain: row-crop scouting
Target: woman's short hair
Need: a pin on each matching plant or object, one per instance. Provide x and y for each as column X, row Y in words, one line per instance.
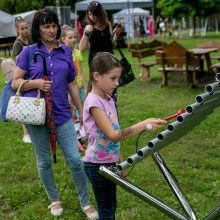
column 41, row 17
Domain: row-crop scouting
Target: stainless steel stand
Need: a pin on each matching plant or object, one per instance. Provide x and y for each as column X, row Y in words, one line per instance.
column 113, row 175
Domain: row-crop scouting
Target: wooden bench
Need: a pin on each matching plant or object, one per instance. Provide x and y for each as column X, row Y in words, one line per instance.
column 211, row 44
column 7, row 48
column 216, row 67
column 176, row 59
column 145, row 50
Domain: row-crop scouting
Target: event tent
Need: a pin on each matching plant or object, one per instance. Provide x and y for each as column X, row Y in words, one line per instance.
column 130, row 19
column 116, row 4
column 7, row 25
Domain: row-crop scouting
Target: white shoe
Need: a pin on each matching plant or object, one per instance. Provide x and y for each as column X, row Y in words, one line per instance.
column 26, row 139
column 90, row 215
column 56, row 212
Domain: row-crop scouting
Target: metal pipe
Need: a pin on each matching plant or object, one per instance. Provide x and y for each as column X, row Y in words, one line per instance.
column 133, row 159
column 196, row 107
column 123, row 165
column 217, row 77
column 207, row 96
column 158, row 144
column 201, row 115
column 213, row 215
column 171, row 180
column 185, row 124
column 163, row 139
column 212, row 87
column 177, row 132
column 140, row 193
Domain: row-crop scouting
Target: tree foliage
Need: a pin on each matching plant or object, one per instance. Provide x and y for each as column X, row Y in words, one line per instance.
column 186, row 8
column 18, row 6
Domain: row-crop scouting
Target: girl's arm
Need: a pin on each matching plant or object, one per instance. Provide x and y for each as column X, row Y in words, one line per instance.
column 83, row 78
column 105, row 125
column 85, row 38
column 74, row 94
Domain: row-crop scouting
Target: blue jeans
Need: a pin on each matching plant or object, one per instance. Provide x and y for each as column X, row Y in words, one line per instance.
column 104, row 191
column 66, row 138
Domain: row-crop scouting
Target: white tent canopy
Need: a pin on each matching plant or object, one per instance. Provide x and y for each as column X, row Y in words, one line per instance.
column 7, row 25
column 73, row 16
column 116, row 4
column 130, row 19
column 28, row 16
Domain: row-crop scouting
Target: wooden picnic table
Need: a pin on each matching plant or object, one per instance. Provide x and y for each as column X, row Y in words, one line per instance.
column 7, row 48
column 204, row 53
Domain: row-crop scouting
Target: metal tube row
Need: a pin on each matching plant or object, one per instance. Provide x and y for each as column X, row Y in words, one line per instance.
column 204, row 97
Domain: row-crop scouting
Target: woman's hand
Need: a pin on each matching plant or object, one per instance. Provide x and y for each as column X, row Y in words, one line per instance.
column 89, row 28
column 42, row 84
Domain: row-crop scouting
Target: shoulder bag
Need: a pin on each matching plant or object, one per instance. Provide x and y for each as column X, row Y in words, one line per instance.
column 26, row 110
column 127, row 74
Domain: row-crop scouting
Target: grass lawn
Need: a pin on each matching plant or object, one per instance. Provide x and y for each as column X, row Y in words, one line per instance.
column 193, row 159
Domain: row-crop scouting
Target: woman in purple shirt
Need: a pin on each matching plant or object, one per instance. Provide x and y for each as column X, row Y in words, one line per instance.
column 45, row 34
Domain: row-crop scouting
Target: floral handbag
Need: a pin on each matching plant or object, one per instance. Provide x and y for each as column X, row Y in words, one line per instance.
column 26, row 110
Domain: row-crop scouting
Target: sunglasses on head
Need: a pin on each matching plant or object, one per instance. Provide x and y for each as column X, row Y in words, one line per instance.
column 93, row 3
column 19, row 18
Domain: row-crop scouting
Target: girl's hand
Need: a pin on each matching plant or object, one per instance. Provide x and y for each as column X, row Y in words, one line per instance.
column 154, row 123
column 124, row 173
column 81, row 119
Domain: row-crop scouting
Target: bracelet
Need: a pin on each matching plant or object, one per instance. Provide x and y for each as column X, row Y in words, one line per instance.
column 86, row 33
column 149, row 126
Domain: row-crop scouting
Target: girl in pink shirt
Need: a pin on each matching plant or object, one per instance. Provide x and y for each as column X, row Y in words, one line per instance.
column 101, row 125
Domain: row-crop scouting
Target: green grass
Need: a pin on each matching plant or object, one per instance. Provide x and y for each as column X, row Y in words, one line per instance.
column 194, row 159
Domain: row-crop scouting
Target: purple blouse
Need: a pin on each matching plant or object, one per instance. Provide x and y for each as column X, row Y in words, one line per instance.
column 61, row 72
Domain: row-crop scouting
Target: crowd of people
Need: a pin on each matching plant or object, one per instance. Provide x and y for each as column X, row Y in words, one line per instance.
column 95, row 106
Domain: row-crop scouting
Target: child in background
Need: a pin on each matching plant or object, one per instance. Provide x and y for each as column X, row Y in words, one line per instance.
column 23, row 35
column 69, row 37
column 101, row 125
column 22, row 40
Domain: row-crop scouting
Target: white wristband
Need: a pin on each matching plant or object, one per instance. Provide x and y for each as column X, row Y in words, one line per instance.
column 149, row 126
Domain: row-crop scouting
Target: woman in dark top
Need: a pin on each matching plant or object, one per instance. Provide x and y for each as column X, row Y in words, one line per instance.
column 98, row 31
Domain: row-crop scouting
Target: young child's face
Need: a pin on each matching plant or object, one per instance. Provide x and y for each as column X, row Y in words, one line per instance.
column 70, row 38
column 109, row 82
column 23, row 29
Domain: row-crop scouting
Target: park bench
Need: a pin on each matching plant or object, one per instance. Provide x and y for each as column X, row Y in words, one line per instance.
column 195, row 113
column 212, row 44
column 7, row 48
column 146, row 50
column 178, row 60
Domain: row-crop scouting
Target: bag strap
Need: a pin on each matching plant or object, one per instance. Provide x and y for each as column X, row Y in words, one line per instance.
column 19, row 88
column 30, row 52
column 122, row 55
column 113, row 36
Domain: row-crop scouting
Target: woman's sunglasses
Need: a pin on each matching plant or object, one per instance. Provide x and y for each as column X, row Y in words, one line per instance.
column 93, row 3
